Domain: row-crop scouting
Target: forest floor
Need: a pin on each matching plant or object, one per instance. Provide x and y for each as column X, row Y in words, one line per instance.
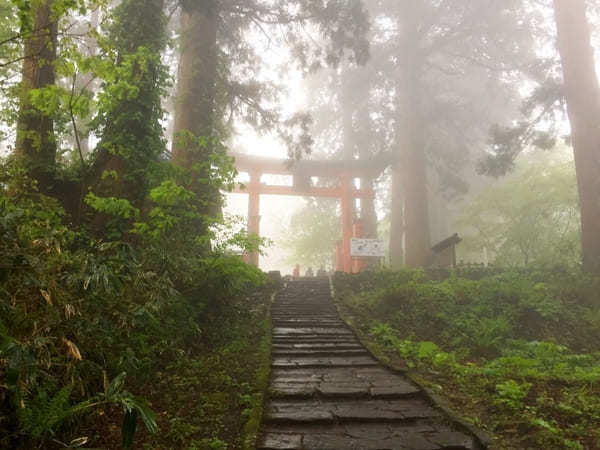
column 510, row 354
column 210, row 398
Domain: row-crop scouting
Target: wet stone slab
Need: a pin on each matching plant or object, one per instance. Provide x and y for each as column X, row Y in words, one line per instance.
column 296, row 331
column 376, row 382
column 332, row 361
column 328, row 393
column 326, row 352
column 356, row 410
column 314, row 339
column 318, row 346
column 365, row 437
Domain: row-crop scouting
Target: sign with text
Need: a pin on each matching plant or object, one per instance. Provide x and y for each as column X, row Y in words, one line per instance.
column 367, row 247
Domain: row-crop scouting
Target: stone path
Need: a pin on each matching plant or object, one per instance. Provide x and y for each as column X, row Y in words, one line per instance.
column 327, row 392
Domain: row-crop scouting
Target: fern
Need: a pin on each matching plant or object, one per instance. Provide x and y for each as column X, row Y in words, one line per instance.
column 43, row 414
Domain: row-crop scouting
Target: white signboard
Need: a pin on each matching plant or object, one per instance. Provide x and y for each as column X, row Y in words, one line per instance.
column 367, row 247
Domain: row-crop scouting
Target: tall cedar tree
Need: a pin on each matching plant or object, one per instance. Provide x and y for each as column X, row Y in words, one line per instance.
column 583, row 104
column 437, row 44
column 355, row 128
column 436, row 82
column 409, row 176
column 196, row 81
column 213, row 36
column 129, row 120
column 36, row 144
column 194, row 127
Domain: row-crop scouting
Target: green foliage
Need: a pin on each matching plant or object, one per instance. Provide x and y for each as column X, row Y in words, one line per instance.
column 312, row 235
column 172, row 205
column 222, row 383
column 512, row 394
column 529, row 218
column 118, row 207
column 43, row 413
column 519, row 354
column 75, row 311
column 480, row 317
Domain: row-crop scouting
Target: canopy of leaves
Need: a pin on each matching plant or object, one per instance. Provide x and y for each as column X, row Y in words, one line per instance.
column 530, row 217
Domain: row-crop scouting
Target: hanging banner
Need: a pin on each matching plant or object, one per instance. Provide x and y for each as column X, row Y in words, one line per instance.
column 367, row 247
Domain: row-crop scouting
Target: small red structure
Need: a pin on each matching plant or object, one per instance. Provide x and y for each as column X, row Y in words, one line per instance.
column 344, row 172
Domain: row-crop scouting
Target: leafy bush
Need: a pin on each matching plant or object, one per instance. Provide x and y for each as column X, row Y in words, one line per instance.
column 77, row 310
column 478, row 318
column 519, row 351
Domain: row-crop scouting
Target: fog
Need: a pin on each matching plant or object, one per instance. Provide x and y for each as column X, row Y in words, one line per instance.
column 468, row 96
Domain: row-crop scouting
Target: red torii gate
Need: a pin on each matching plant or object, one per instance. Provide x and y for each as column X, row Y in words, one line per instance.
column 345, row 171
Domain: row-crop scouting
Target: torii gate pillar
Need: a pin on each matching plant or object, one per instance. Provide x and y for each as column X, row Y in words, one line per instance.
column 347, row 219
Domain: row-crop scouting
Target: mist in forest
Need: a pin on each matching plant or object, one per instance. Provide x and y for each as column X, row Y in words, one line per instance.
column 454, row 99
column 465, row 103
column 210, row 209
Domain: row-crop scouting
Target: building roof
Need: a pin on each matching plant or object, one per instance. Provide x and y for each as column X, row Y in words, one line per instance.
column 446, row 243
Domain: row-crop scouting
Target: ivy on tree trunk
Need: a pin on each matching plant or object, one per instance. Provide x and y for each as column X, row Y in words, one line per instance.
column 36, row 143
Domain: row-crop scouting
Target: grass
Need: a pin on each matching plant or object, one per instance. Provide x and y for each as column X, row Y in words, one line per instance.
column 492, row 348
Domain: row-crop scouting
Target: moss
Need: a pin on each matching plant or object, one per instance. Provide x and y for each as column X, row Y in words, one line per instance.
column 255, row 410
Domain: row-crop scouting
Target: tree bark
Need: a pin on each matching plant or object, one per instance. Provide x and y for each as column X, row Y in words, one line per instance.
column 583, row 104
column 132, row 135
column 196, row 83
column 397, row 219
column 348, row 132
column 35, row 141
column 409, row 173
column 368, row 215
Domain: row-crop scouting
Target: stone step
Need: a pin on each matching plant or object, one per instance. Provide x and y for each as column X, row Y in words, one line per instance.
column 368, row 410
column 326, row 361
column 328, row 393
column 308, row 323
column 314, row 339
column 307, row 316
column 326, row 352
column 290, row 390
column 293, row 331
column 299, row 318
column 375, row 382
column 318, row 346
column 369, row 436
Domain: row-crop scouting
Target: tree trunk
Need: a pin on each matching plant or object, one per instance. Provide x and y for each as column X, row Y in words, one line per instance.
column 36, row 143
column 416, row 210
column 196, row 84
column 397, row 219
column 410, row 174
column 132, row 134
column 583, row 104
column 368, row 215
column 86, row 82
column 348, row 133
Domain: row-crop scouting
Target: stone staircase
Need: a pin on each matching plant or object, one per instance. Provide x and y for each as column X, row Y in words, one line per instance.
column 328, row 392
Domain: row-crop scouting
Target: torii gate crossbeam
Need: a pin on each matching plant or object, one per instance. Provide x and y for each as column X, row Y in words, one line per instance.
column 344, row 171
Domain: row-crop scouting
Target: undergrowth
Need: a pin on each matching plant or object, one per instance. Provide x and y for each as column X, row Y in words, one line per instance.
column 100, row 332
column 212, row 398
column 515, row 353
